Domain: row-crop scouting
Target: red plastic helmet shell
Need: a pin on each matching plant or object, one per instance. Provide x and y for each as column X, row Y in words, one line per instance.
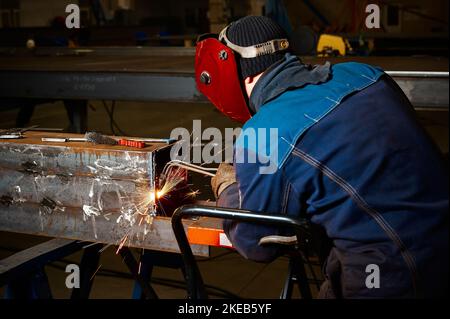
column 216, row 75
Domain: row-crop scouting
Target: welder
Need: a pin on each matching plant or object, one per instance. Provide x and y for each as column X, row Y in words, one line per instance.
column 350, row 157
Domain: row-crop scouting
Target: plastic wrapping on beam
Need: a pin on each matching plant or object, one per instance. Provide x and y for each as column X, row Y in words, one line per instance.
column 59, row 178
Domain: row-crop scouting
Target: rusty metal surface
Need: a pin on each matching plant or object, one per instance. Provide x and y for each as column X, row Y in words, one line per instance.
column 83, row 191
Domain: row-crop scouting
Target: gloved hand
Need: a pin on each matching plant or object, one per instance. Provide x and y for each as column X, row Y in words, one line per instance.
column 225, row 176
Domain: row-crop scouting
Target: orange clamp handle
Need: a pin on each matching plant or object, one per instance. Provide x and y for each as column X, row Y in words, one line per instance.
column 128, row 143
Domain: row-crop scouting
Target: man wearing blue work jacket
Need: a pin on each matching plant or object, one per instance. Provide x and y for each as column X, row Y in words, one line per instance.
column 350, row 156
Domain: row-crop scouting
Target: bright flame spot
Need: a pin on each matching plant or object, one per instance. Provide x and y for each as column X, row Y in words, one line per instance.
column 153, row 196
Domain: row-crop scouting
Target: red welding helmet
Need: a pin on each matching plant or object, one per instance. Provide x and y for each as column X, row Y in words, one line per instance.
column 216, row 71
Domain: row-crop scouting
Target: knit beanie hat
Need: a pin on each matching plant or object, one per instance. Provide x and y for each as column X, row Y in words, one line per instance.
column 252, row 30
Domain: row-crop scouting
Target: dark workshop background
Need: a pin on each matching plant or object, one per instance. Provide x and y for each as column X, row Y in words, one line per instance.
column 413, row 37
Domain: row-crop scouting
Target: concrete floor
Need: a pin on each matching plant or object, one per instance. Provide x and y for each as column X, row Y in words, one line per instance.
column 228, row 271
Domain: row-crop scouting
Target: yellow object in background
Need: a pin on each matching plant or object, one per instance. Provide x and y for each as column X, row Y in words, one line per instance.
column 332, row 45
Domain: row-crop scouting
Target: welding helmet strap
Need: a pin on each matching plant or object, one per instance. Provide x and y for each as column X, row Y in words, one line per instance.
column 257, row 50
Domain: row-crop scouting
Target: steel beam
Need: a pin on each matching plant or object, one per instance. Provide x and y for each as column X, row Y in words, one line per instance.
column 424, row 89
column 103, row 51
column 119, row 86
column 70, row 224
column 83, row 191
column 425, row 92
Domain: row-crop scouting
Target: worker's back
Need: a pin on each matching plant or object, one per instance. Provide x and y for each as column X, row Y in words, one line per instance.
column 367, row 173
column 378, row 185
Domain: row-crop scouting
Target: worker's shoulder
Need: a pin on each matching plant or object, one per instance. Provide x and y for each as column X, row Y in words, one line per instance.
column 354, row 71
column 282, row 121
column 308, row 104
column 355, row 65
column 345, row 79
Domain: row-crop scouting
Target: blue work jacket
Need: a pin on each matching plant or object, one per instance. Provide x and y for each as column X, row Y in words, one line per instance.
column 353, row 159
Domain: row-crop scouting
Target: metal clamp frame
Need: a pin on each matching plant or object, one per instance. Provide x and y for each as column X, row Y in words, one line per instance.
column 194, row 281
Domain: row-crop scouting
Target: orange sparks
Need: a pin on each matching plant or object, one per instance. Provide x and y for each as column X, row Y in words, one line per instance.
column 122, row 243
column 193, row 193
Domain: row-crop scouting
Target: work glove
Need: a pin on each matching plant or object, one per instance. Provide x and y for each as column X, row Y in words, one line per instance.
column 225, row 176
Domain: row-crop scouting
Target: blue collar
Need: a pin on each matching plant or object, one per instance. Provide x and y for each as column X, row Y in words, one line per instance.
column 289, row 73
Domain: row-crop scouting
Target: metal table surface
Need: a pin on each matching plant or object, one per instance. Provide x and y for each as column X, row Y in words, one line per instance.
column 167, row 74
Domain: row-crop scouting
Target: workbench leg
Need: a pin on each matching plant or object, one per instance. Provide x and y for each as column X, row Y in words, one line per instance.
column 147, row 289
column 301, row 278
column 145, row 270
column 148, row 260
column 25, row 113
column 33, row 286
column 296, row 274
column 88, row 268
column 286, row 293
column 77, row 110
column 23, row 273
